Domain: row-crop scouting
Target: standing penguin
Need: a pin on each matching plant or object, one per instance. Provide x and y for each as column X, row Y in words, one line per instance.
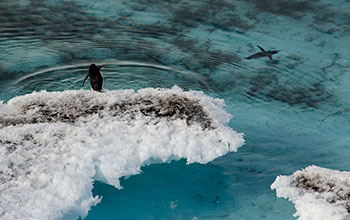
column 96, row 78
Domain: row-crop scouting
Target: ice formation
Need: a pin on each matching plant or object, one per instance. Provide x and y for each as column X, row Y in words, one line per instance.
column 53, row 145
column 318, row 193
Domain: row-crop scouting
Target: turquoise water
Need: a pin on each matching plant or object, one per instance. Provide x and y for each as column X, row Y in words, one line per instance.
column 294, row 110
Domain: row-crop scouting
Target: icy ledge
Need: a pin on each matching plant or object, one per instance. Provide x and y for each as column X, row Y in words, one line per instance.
column 53, row 145
column 318, row 193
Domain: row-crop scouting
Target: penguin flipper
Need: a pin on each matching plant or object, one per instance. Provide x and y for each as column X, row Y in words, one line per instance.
column 100, row 68
column 270, row 56
column 262, row 49
column 85, row 80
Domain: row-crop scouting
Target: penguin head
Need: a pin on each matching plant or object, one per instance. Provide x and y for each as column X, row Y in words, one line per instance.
column 274, row 51
column 93, row 68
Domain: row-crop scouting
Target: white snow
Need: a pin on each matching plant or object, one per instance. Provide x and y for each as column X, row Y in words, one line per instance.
column 318, row 193
column 53, row 145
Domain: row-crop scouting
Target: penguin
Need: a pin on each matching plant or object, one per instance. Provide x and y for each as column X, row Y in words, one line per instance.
column 263, row 53
column 96, row 78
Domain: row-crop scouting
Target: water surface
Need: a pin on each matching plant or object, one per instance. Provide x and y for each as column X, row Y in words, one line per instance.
column 293, row 110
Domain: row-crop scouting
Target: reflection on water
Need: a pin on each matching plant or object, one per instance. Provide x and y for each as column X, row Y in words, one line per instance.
column 294, row 110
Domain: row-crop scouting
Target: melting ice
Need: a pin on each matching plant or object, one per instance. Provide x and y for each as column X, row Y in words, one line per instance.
column 318, row 193
column 55, row 144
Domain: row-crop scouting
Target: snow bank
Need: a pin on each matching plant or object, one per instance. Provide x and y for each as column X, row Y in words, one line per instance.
column 53, row 145
column 318, row 193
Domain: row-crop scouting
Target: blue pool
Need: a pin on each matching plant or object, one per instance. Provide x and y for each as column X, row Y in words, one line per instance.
column 293, row 110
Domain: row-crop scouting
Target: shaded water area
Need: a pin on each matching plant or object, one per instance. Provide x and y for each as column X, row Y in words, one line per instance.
column 294, row 110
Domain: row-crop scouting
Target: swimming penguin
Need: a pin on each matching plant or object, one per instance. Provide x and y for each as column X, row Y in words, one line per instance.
column 96, row 78
column 263, row 53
